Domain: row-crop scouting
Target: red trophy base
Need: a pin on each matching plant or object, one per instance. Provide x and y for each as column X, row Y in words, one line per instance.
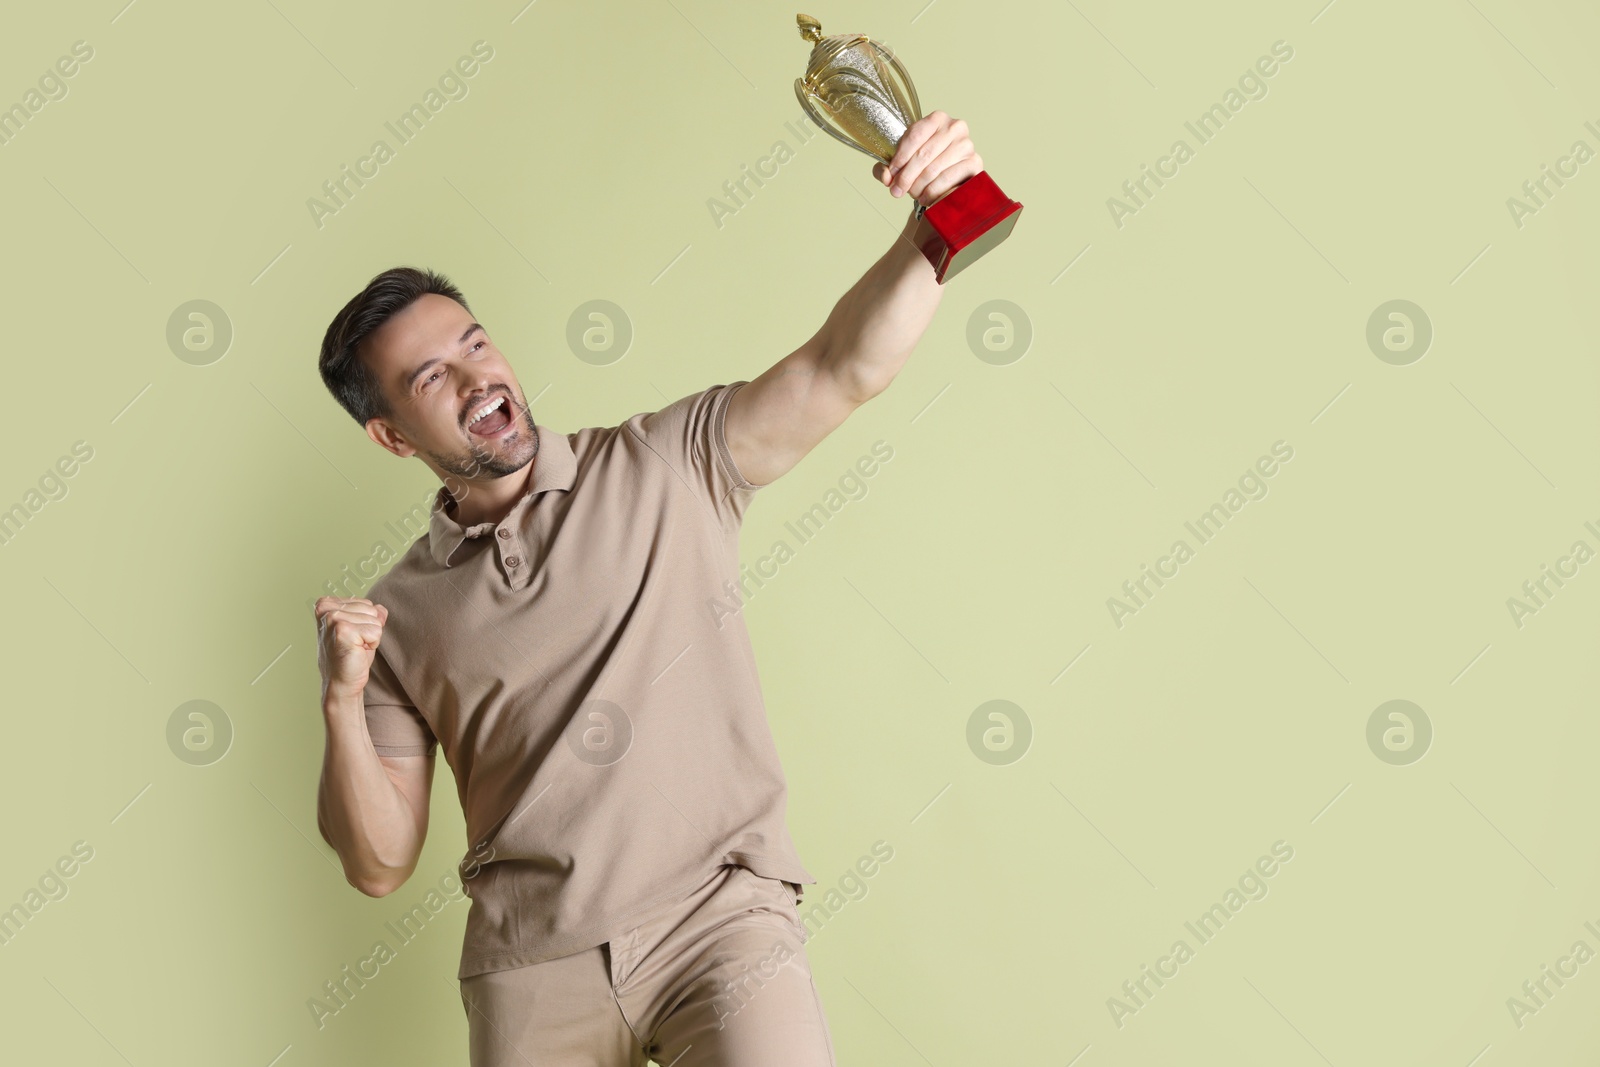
column 959, row 227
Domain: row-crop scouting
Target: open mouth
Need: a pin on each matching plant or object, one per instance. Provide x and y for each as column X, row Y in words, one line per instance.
column 492, row 419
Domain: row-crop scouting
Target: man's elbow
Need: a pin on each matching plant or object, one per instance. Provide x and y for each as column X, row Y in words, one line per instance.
column 379, row 881
column 859, row 382
column 376, row 887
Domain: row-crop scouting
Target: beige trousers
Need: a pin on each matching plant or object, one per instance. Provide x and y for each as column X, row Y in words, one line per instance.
column 720, row 978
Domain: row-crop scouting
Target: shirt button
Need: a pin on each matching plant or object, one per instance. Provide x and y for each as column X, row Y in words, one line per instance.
column 505, row 535
column 512, row 561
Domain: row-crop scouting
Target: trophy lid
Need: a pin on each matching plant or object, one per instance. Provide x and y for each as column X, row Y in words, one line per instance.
column 842, row 49
column 827, row 48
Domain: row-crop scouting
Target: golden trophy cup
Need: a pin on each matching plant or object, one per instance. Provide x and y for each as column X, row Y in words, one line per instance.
column 858, row 90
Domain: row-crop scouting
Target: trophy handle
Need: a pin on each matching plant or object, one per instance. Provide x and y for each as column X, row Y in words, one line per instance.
column 809, row 104
column 901, row 87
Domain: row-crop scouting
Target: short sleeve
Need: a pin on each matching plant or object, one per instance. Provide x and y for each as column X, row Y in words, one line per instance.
column 688, row 435
column 393, row 722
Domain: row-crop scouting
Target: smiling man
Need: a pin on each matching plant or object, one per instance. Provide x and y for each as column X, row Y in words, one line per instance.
column 634, row 885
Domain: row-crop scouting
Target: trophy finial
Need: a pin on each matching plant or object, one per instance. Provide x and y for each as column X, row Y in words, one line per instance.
column 810, row 28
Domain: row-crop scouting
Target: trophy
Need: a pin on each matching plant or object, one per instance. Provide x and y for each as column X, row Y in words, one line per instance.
column 857, row 90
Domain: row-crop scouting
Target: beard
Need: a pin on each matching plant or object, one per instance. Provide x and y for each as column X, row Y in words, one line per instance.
column 515, row 451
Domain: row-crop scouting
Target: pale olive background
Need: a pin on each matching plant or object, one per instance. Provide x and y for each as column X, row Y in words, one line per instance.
column 1229, row 313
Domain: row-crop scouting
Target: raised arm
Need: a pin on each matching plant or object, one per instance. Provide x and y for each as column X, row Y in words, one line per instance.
column 785, row 412
column 372, row 809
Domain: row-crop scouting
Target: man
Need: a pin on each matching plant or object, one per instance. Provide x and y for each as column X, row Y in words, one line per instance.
column 561, row 632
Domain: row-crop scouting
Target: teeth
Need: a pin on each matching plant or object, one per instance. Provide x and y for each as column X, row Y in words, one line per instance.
column 486, row 409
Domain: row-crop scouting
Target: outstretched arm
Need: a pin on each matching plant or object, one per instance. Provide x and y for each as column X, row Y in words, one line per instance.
column 785, row 412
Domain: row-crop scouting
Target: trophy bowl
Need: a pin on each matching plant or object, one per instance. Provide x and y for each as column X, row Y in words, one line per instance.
column 860, row 92
column 857, row 90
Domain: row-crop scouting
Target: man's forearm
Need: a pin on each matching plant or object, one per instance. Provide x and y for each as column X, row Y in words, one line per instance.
column 874, row 326
column 360, row 812
column 784, row 412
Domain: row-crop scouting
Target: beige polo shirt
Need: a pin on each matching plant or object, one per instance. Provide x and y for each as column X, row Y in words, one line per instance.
column 593, row 692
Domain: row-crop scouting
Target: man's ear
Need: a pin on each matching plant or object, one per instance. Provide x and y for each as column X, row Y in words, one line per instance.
column 388, row 437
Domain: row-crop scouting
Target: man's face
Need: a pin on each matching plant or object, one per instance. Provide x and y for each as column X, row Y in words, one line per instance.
column 439, row 370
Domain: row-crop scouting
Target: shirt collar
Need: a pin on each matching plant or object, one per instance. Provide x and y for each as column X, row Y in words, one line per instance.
column 554, row 467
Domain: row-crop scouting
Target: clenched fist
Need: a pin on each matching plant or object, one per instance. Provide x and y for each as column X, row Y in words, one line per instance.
column 934, row 155
column 348, row 632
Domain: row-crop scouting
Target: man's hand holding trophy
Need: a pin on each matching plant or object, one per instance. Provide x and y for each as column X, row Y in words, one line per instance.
column 857, row 90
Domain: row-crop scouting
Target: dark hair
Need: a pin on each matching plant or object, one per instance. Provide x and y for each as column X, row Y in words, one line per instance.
column 350, row 381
